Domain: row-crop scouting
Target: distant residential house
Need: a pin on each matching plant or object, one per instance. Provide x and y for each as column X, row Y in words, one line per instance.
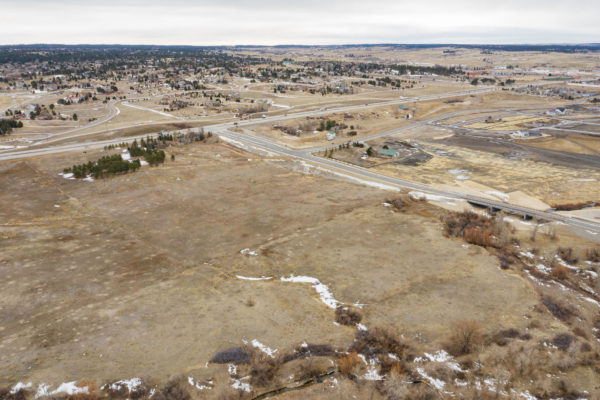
column 388, row 152
column 330, row 135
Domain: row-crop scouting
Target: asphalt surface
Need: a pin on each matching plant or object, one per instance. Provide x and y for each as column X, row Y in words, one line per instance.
column 308, row 156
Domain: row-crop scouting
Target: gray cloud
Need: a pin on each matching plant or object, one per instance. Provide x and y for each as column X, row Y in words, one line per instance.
column 203, row 22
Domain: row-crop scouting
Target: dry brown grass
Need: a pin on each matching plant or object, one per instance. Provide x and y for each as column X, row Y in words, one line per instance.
column 466, row 336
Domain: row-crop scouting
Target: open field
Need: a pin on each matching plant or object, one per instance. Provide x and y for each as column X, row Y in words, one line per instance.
column 509, row 123
column 141, row 259
column 419, row 253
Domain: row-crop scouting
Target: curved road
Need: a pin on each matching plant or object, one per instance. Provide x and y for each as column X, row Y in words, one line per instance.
column 351, row 170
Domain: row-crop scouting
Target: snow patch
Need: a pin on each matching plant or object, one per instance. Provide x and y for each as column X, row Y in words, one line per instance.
column 69, row 388
column 198, row 385
column 248, row 278
column 68, row 175
column 437, row 383
column 439, row 356
column 20, row 386
column 267, row 350
column 248, row 252
column 323, row 291
column 131, row 384
column 416, row 196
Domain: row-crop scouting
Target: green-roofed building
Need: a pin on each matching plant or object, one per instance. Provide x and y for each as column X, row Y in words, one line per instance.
column 388, row 152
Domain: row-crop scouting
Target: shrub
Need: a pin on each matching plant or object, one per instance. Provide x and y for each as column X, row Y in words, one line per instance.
column 561, row 312
column 398, row 204
column 310, row 350
column 566, row 254
column 465, row 337
column 578, row 331
column 347, row 364
column 479, row 236
column 236, row 355
column 311, row 369
column 501, row 338
column 378, row 341
column 346, row 315
column 563, row 341
column 263, row 368
column 175, row 389
column 585, row 347
column 593, row 255
column 5, row 394
column 560, row 272
column 573, row 206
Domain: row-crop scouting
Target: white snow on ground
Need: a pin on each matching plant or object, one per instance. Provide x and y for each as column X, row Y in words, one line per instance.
column 232, row 369
column 127, row 157
column 69, row 388
column 543, row 268
column 248, row 252
column 323, row 291
column 442, row 356
column 198, row 385
column 248, row 278
column 564, row 264
column 437, row 383
column 237, row 383
column 372, row 374
column 89, row 178
column 498, row 194
column 583, row 180
column 426, row 196
column 527, row 254
column 267, row 350
column 361, row 327
column 131, row 384
column 439, row 356
column 386, row 204
column 68, row 175
column 308, row 170
column 527, row 396
column 20, row 386
column 280, row 105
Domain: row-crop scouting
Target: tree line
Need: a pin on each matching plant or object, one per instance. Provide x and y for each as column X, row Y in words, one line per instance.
column 7, row 125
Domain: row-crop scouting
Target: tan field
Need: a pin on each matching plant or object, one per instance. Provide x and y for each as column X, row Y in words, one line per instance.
column 235, row 269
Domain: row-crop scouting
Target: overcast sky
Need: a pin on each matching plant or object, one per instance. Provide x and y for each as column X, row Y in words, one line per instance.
column 269, row 22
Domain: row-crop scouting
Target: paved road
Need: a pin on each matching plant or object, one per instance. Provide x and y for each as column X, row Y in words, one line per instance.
column 352, row 170
column 364, row 173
